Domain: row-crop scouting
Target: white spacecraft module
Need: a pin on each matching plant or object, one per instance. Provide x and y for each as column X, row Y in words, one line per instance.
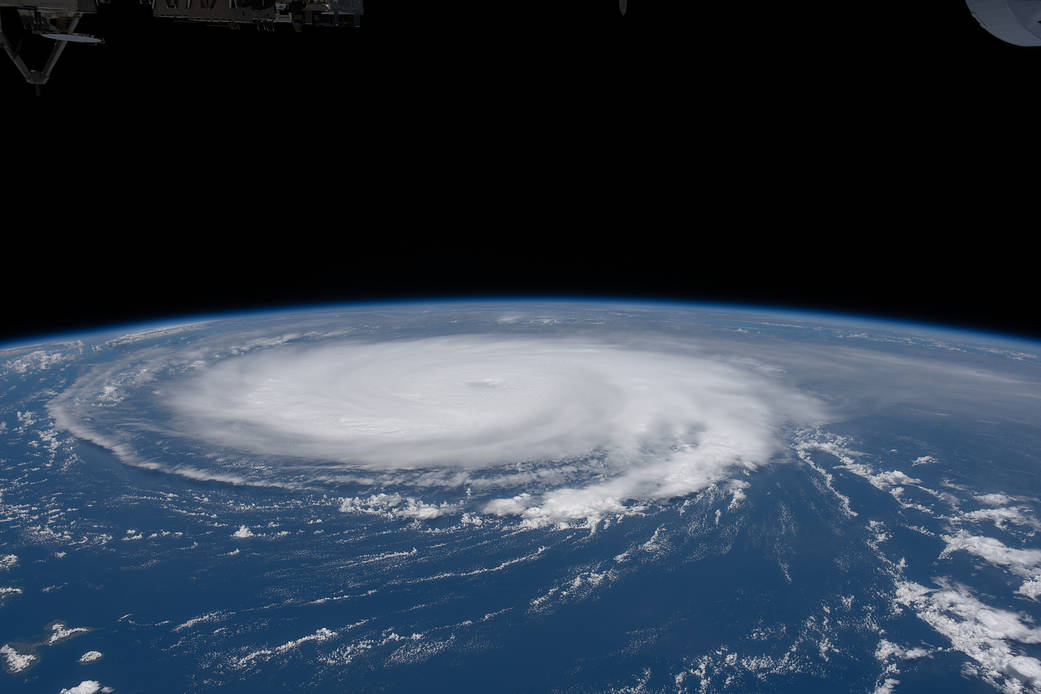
column 1016, row 21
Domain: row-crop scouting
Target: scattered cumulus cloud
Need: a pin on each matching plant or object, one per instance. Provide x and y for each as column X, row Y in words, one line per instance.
column 39, row 360
column 996, row 499
column 986, row 634
column 87, row 687
column 1021, row 562
column 14, row 661
column 888, row 650
column 887, row 687
column 201, row 619
column 395, row 506
column 319, row 636
column 60, row 632
column 1002, row 516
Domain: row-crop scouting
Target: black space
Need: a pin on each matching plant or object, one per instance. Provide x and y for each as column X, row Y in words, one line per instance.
column 95, row 284
column 869, row 157
column 466, row 46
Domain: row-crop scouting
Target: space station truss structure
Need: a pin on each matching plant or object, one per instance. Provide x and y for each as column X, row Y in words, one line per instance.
column 263, row 13
column 25, row 21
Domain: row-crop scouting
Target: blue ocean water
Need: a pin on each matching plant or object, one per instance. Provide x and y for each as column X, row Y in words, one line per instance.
column 887, row 545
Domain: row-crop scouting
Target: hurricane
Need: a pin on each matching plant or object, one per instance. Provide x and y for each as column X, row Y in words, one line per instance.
column 632, row 424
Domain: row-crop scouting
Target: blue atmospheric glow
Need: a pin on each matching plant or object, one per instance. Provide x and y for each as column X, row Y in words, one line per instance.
column 779, row 310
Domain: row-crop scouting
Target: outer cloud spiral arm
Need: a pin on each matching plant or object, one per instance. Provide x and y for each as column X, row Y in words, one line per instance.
column 660, row 423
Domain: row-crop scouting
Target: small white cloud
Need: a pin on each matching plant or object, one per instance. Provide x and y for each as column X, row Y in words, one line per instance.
column 1031, row 588
column 243, row 532
column 91, row 656
column 737, row 489
column 994, row 499
column 87, row 687
column 396, row 506
column 471, row 519
column 887, row 649
column 16, row 662
column 201, row 619
column 1022, row 562
column 887, row 687
column 885, row 480
column 319, row 636
column 1001, row 517
column 59, row 633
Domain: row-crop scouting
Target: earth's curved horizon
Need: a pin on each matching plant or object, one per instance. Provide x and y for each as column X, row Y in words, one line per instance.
column 575, row 495
column 921, row 321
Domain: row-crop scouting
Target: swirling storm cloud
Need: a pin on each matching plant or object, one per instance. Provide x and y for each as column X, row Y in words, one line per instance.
column 661, row 424
column 574, row 429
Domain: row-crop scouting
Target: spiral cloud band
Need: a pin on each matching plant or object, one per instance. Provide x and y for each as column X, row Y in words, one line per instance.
column 659, row 424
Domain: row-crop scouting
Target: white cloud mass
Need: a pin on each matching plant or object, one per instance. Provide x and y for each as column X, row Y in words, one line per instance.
column 1022, row 562
column 985, row 634
column 91, row 656
column 87, row 687
column 660, row 423
column 16, row 662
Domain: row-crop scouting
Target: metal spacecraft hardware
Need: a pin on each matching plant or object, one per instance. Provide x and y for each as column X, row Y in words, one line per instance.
column 1014, row 21
column 25, row 21
column 263, row 13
